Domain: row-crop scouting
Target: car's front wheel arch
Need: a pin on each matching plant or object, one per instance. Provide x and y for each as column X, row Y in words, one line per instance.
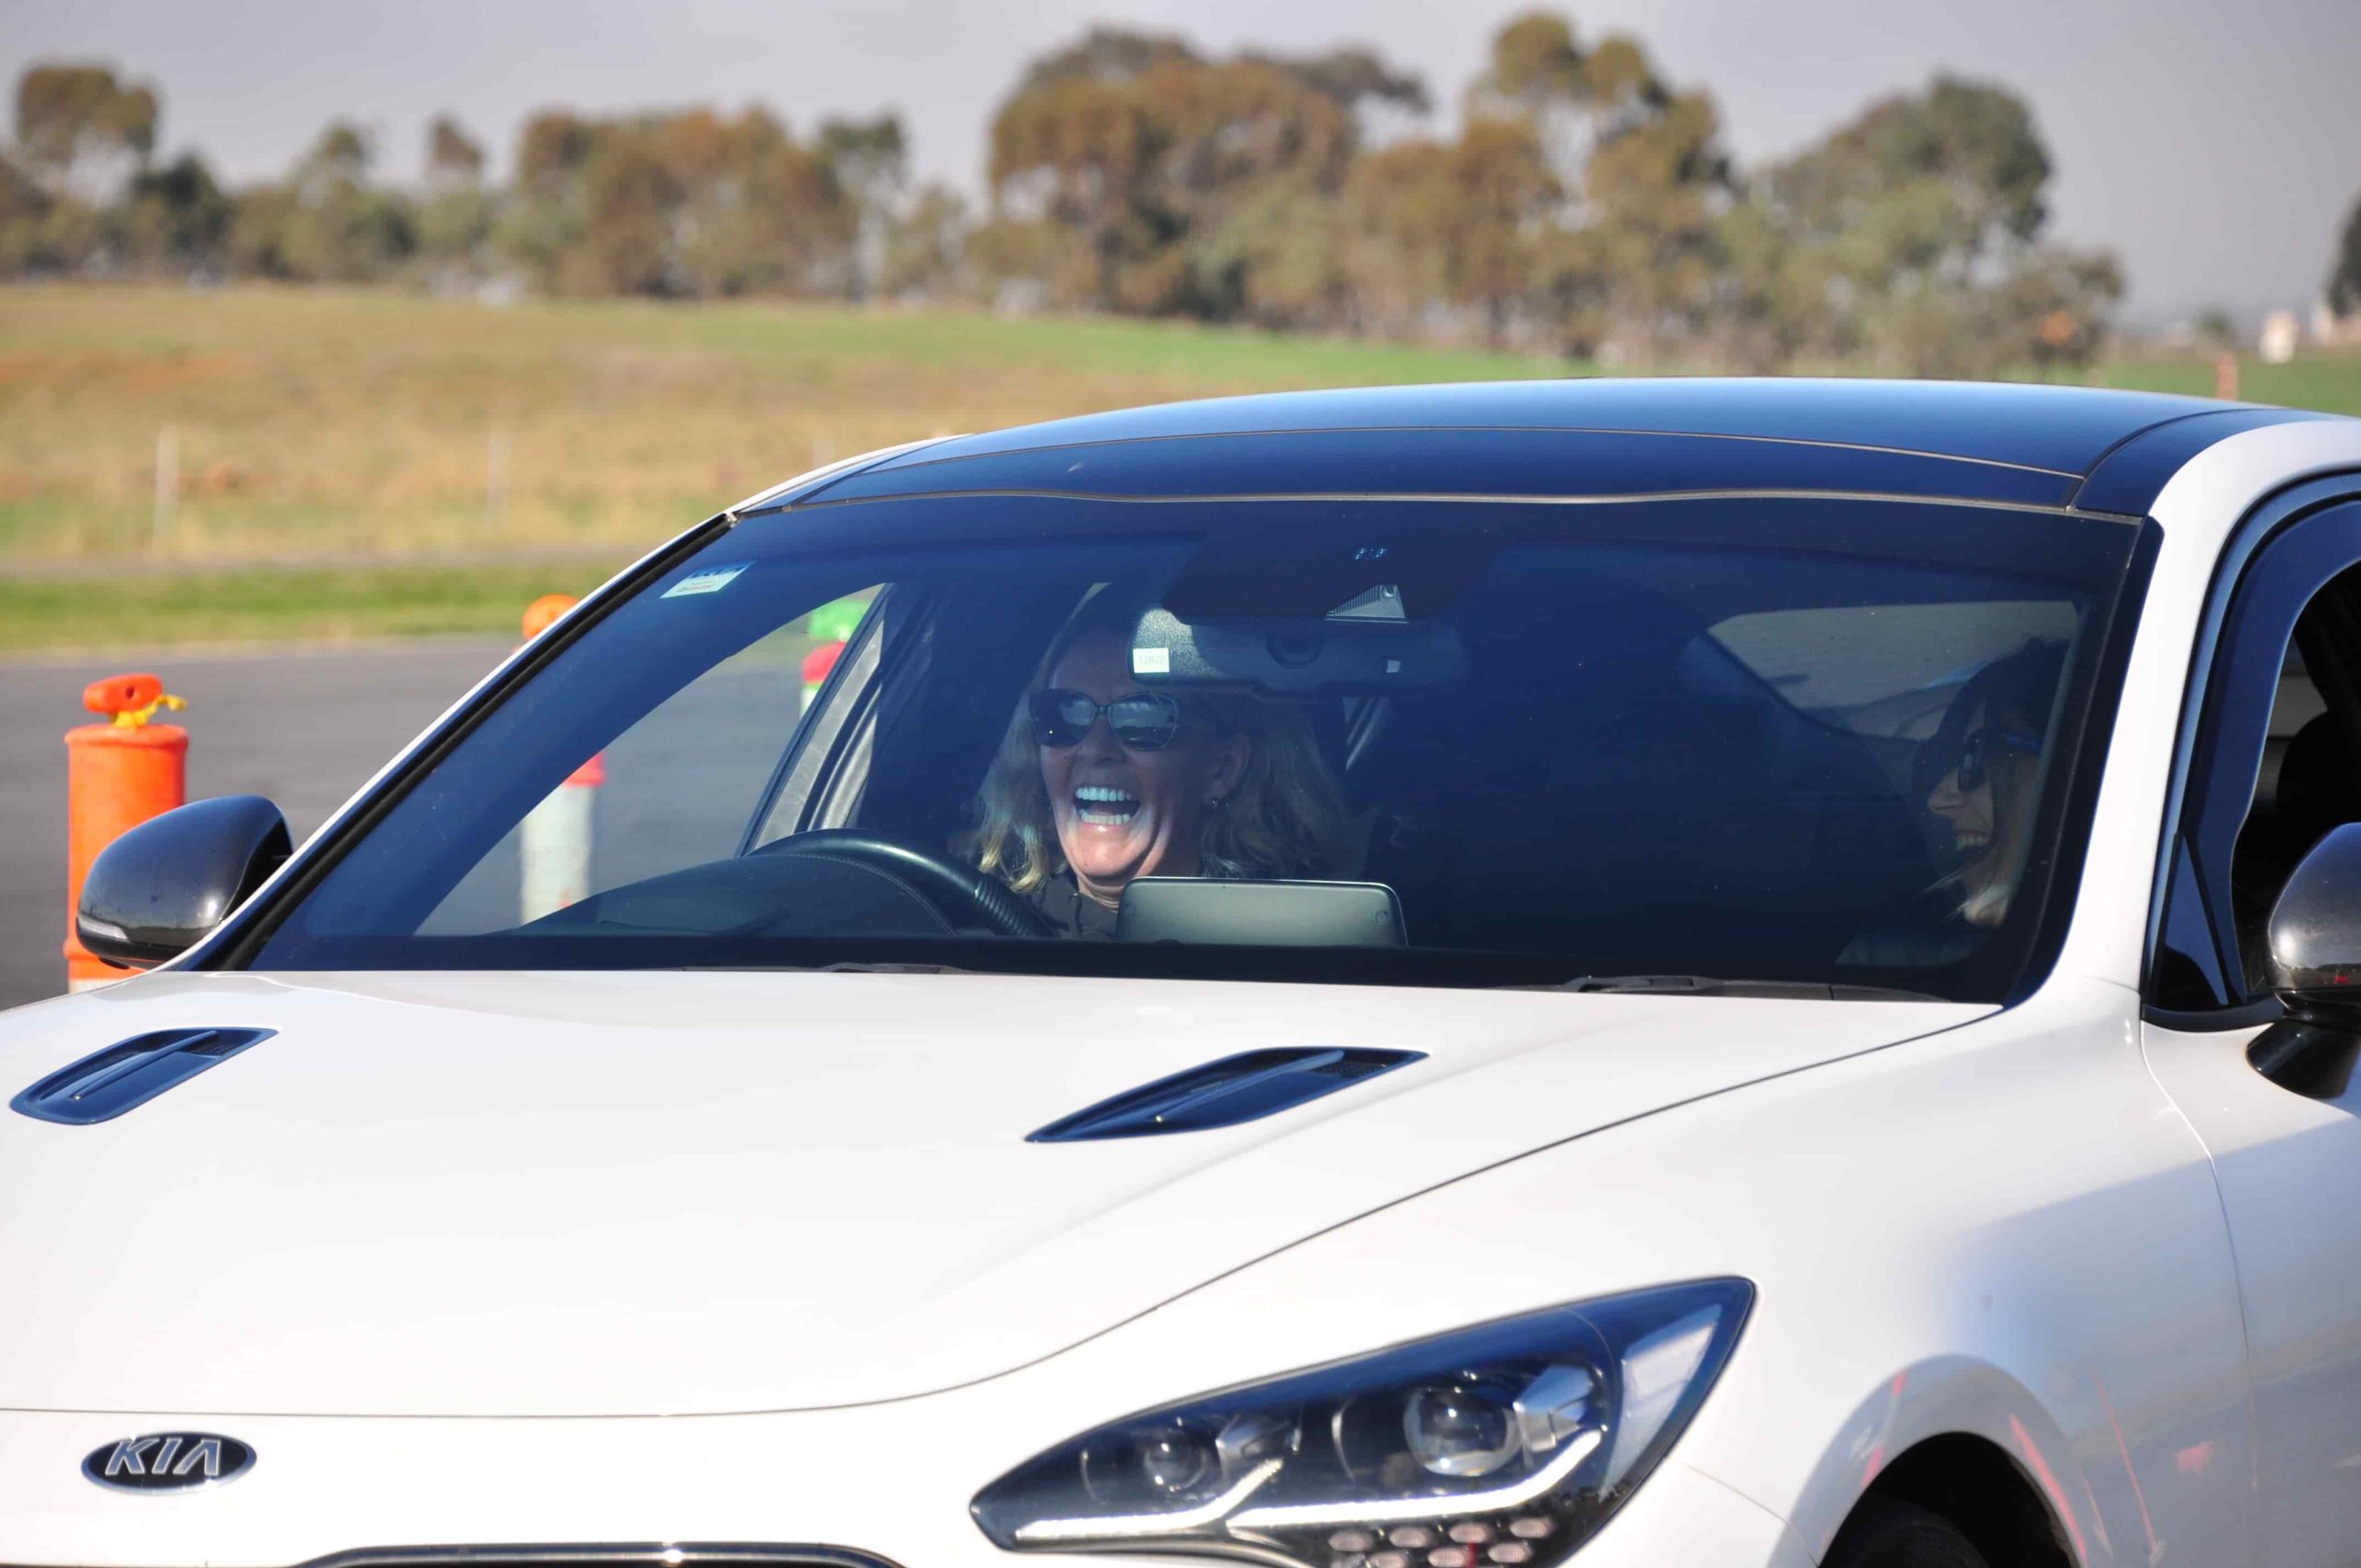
column 1975, row 1487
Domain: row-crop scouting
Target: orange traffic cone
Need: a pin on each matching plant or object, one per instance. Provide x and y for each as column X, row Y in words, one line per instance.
column 117, row 776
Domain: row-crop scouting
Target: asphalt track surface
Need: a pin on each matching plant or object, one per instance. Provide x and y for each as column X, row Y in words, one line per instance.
column 305, row 727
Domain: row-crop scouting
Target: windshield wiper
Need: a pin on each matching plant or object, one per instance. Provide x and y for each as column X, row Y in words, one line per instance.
column 1712, row 985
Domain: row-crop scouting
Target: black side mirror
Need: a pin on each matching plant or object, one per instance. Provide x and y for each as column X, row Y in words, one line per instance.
column 153, row 893
column 2316, row 929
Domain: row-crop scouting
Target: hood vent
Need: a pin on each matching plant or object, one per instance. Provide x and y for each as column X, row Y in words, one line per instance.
column 1222, row 1094
column 130, row 1073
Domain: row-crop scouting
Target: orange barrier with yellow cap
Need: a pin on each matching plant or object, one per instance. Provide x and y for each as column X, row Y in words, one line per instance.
column 544, row 610
column 117, row 776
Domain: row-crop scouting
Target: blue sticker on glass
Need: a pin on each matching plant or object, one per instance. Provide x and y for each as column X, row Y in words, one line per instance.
column 712, row 579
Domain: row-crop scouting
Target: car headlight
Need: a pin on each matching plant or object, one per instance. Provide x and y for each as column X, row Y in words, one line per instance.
column 1505, row 1444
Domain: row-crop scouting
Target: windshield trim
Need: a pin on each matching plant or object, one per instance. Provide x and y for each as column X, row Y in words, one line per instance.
column 1439, row 497
column 1430, row 968
column 1415, row 427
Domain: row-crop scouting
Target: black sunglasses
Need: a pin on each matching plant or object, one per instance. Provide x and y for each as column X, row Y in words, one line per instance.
column 1972, row 759
column 1142, row 722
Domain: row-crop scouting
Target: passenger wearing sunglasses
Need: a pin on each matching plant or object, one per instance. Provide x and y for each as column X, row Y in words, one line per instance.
column 1979, row 771
column 1977, row 776
column 1100, row 780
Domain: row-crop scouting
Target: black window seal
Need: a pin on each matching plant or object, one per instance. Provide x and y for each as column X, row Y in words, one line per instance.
column 2245, row 1016
column 2077, row 807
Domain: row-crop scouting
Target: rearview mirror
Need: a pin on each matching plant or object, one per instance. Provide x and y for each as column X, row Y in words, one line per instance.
column 2315, row 929
column 153, row 893
column 1345, row 651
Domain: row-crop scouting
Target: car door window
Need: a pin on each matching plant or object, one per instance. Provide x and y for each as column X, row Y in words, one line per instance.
column 2305, row 785
column 2272, row 769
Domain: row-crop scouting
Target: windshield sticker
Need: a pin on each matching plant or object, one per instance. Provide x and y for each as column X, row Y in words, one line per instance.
column 1151, row 662
column 712, row 579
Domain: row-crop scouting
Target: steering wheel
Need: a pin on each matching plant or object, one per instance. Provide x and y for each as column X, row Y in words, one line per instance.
column 965, row 896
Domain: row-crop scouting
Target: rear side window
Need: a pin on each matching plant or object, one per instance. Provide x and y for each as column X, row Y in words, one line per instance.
column 1886, row 668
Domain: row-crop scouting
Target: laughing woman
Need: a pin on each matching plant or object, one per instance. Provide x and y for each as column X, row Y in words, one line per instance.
column 1977, row 777
column 1099, row 781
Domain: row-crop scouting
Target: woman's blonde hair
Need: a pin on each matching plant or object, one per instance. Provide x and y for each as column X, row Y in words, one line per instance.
column 1286, row 817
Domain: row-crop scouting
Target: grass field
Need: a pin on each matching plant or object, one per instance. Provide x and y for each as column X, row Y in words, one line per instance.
column 323, row 421
column 389, row 434
column 315, row 605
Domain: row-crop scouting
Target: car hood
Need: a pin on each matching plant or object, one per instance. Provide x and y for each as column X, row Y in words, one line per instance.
column 603, row 1193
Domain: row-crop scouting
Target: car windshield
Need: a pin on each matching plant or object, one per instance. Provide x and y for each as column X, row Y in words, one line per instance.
column 1806, row 743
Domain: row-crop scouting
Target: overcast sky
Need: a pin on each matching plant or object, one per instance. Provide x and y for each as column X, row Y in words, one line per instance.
column 2213, row 144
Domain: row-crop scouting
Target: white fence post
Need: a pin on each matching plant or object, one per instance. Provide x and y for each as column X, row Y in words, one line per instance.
column 168, row 485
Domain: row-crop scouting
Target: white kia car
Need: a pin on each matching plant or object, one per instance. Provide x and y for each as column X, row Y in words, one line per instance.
column 1490, row 976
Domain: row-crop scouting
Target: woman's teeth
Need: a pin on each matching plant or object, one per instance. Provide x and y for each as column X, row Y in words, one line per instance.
column 1105, row 807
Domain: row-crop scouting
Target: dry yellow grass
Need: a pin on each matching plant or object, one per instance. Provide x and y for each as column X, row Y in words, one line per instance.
column 354, row 434
column 368, row 425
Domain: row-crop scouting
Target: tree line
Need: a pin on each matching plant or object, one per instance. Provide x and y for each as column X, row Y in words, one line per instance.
column 1585, row 207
